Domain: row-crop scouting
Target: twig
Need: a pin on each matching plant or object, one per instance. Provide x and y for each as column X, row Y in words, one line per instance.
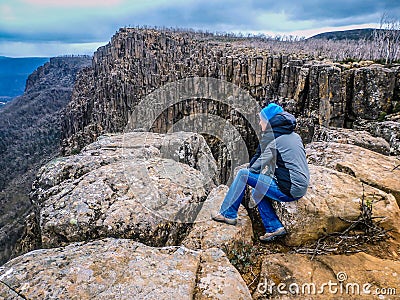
column 350, row 240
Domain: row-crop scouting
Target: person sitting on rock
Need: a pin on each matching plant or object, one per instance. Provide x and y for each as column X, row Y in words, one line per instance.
column 278, row 171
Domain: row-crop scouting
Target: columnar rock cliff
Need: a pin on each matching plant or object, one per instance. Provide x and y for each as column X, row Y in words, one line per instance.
column 136, row 62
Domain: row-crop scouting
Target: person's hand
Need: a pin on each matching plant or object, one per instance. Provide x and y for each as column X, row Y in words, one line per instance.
column 252, row 170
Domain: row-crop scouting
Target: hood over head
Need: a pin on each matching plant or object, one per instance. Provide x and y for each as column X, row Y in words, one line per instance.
column 271, row 110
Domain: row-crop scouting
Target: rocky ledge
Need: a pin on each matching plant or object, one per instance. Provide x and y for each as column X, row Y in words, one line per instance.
column 126, row 186
column 129, row 217
column 122, row 269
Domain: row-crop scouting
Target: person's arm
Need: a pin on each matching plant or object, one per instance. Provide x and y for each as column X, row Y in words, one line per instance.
column 256, row 156
column 263, row 160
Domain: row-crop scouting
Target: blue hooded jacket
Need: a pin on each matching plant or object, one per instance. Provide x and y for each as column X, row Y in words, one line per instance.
column 282, row 151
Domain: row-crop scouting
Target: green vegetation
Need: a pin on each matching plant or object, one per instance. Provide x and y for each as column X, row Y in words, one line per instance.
column 382, row 116
column 242, row 256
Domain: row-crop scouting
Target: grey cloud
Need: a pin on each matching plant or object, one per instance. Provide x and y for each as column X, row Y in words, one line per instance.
column 192, row 15
column 197, row 14
column 332, row 11
column 242, row 15
column 214, row 16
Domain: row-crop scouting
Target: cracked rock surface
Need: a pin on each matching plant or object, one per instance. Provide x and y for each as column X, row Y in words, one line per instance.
column 356, row 276
column 110, row 268
column 372, row 168
column 331, row 198
column 207, row 233
column 125, row 186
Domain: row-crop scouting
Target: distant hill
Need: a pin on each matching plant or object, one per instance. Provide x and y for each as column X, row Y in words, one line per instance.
column 354, row 34
column 13, row 75
column 30, row 133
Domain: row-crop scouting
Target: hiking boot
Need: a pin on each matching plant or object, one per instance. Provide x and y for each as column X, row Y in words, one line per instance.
column 270, row 236
column 220, row 218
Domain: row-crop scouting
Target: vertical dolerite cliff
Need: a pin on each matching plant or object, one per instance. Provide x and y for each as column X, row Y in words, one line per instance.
column 136, row 62
column 30, row 131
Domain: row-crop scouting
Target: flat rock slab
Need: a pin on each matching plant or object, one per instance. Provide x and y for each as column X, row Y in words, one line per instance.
column 380, row 171
column 389, row 130
column 356, row 276
column 185, row 147
column 348, row 136
column 218, row 278
column 121, row 269
column 139, row 185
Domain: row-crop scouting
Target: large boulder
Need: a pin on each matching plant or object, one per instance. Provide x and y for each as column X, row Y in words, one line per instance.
column 123, row 269
column 356, row 276
column 372, row 168
column 348, row 136
column 185, row 147
column 332, row 198
column 389, row 130
column 207, row 233
column 217, row 278
column 125, row 186
column 140, row 200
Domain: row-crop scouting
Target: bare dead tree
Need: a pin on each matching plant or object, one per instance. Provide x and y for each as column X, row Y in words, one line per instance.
column 387, row 38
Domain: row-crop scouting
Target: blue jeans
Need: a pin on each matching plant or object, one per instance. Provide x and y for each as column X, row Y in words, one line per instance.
column 265, row 188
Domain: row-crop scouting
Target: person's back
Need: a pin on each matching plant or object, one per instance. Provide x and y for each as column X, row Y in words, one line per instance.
column 289, row 166
column 291, row 169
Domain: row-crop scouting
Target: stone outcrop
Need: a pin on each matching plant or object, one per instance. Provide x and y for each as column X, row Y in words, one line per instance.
column 372, row 168
column 388, row 130
column 218, row 279
column 342, row 175
column 150, row 198
column 149, row 188
column 207, row 233
column 356, row 276
column 348, row 136
column 153, row 196
column 373, row 93
column 136, row 62
column 332, row 198
column 106, row 268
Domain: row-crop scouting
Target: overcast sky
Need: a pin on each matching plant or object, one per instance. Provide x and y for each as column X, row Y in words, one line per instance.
column 61, row 27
